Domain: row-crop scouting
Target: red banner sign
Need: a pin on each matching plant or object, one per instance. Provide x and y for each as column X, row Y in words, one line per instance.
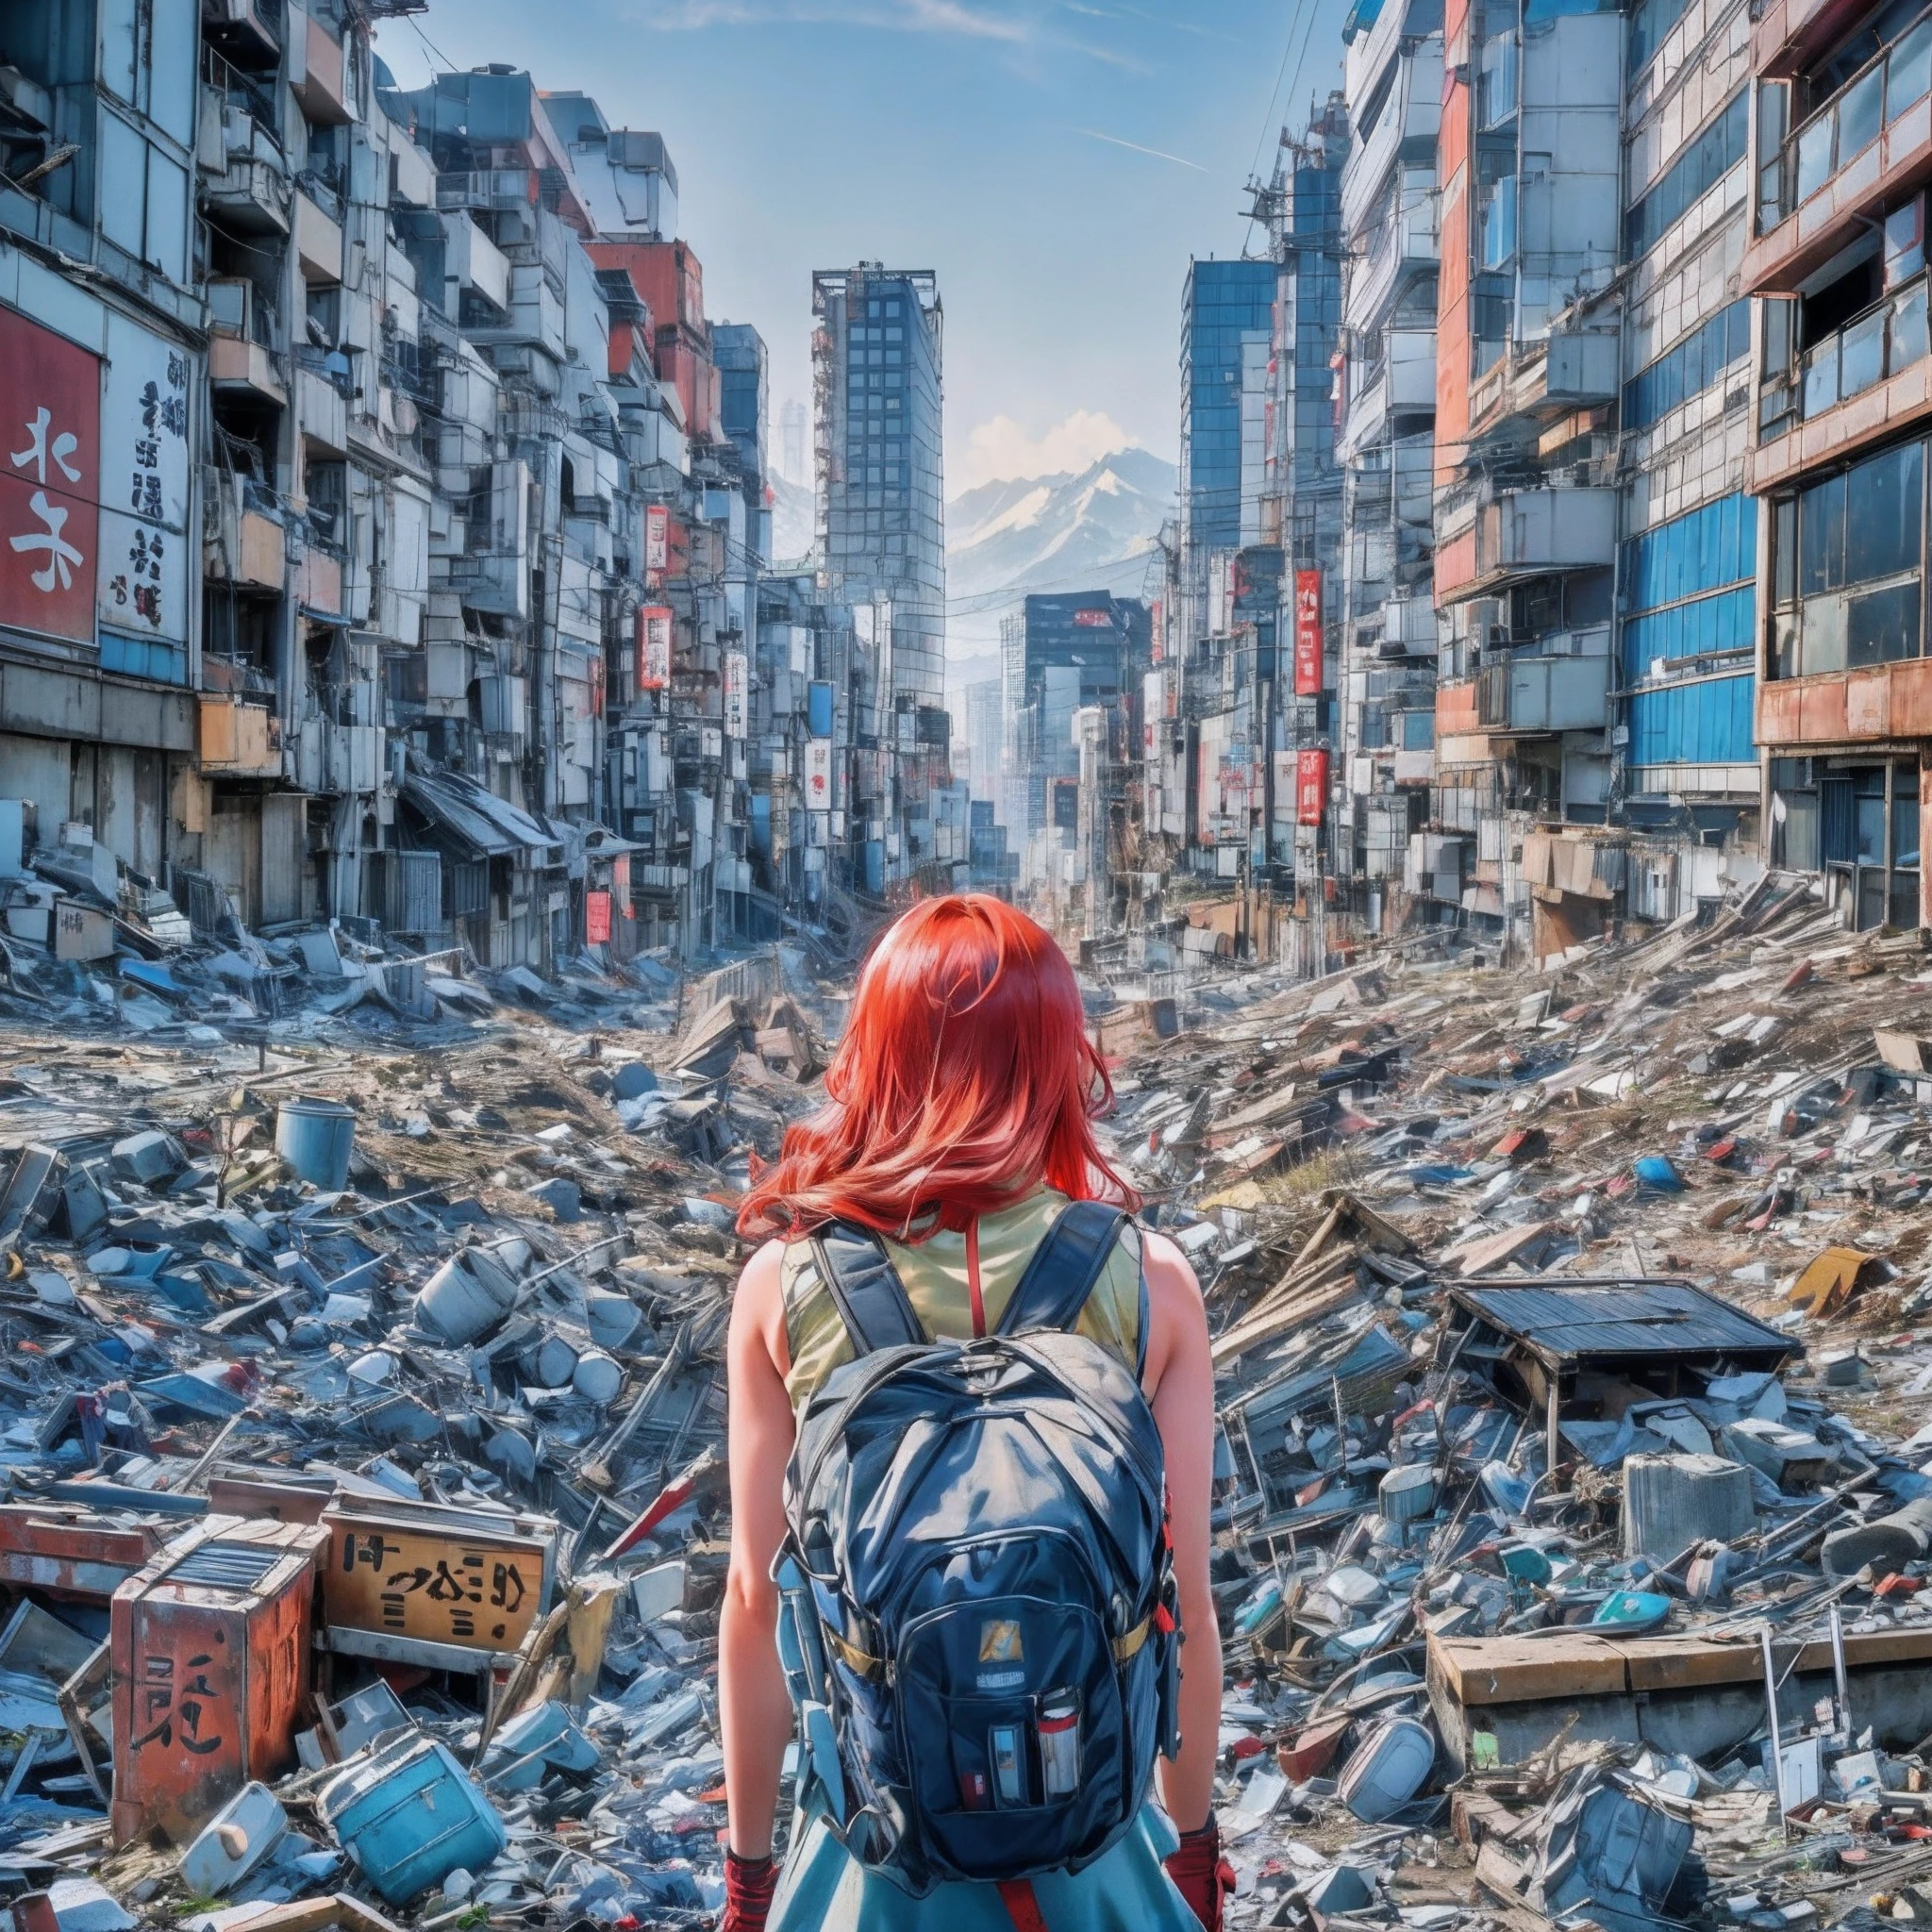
column 597, row 918
column 1308, row 633
column 50, row 484
column 1310, row 786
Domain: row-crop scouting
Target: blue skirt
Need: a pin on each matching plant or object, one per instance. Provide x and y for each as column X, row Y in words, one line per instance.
column 823, row 1885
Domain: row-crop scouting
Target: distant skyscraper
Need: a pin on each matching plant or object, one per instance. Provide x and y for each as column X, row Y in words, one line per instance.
column 985, row 738
column 881, row 515
column 793, row 424
column 1225, row 303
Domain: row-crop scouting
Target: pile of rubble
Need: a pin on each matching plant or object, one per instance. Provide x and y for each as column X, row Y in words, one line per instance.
column 1575, row 1492
column 362, row 1512
column 360, row 1426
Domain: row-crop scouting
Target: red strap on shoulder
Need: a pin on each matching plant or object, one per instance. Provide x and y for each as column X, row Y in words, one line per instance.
column 1016, row 1894
column 972, row 1287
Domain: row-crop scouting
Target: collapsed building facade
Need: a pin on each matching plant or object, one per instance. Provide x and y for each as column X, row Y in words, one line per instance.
column 388, row 535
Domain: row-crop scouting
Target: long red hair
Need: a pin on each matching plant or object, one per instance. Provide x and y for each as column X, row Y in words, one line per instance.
column 965, row 1079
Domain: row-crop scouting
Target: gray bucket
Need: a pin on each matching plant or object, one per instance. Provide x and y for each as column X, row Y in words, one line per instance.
column 467, row 1297
column 314, row 1137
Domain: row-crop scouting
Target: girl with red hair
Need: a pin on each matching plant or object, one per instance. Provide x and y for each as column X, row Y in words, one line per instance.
column 957, row 1128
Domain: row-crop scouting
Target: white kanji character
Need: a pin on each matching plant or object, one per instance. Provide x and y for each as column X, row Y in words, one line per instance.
column 60, row 553
column 38, row 449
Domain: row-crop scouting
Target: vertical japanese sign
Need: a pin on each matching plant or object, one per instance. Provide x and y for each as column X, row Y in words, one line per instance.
column 1308, row 633
column 1310, row 786
column 653, row 647
column 737, row 694
column 143, row 537
column 1153, row 709
column 1156, row 616
column 597, row 919
column 818, row 774
column 657, row 542
column 50, row 439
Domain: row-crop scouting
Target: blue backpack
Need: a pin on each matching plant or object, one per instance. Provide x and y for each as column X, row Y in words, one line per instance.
column 978, row 1599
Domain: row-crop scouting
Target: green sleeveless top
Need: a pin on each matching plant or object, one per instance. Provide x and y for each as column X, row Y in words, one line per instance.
column 938, row 1286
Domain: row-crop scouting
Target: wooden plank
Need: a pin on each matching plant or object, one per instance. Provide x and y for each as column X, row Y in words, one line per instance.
column 1479, row 1671
column 1866, row 1649
column 1671, row 1663
column 1522, row 1669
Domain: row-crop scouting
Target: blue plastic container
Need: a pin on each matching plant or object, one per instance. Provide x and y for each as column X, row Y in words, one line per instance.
column 314, row 1137
column 410, row 1816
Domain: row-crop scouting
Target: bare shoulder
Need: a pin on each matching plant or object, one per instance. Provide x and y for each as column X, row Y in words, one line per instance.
column 758, row 1306
column 1177, row 1318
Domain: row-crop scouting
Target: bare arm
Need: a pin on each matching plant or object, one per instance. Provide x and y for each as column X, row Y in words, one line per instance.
column 754, row 1706
column 1180, row 1383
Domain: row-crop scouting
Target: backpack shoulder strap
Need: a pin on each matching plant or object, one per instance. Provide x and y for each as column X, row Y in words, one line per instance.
column 865, row 1289
column 1064, row 1268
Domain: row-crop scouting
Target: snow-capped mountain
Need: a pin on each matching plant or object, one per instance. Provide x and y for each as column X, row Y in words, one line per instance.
column 1091, row 531
column 1086, row 531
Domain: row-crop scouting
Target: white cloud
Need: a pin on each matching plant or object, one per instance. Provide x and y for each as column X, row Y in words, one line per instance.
column 1001, row 448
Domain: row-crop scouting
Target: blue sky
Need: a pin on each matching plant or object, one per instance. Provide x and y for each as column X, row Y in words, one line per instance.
column 996, row 141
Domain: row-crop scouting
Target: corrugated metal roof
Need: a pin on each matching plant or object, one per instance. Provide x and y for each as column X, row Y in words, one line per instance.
column 1572, row 1321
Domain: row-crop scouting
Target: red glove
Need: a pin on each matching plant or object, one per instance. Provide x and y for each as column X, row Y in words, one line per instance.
column 1201, row 1874
column 749, row 1884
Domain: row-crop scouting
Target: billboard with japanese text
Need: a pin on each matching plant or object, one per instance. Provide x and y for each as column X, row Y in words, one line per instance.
column 653, row 647
column 1308, row 633
column 50, row 480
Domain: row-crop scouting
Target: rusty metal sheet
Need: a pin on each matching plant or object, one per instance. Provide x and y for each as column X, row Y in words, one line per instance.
column 441, row 1578
column 71, row 1552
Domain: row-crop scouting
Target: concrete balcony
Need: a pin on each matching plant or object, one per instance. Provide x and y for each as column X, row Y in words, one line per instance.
column 246, row 370
column 1875, row 705
column 318, row 241
column 1461, row 738
column 1404, row 130
column 248, row 33
column 473, row 261
column 319, row 580
column 1533, row 532
column 243, row 548
column 1534, row 695
column 1405, row 244
column 322, row 414
column 1403, row 382
column 1564, row 370
column 1410, row 623
column 250, row 198
column 1859, row 155
column 239, row 739
column 317, row 74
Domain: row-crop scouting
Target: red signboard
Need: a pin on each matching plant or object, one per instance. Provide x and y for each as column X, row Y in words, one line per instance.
column 657, row 542
column 653, row 647
column 50, row 485
column 597, row 918
column 1310, row 786
column 1308, row 633
column 1093, row 620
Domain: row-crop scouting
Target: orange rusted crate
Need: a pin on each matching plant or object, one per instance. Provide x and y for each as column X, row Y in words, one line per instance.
column 210, row 1648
